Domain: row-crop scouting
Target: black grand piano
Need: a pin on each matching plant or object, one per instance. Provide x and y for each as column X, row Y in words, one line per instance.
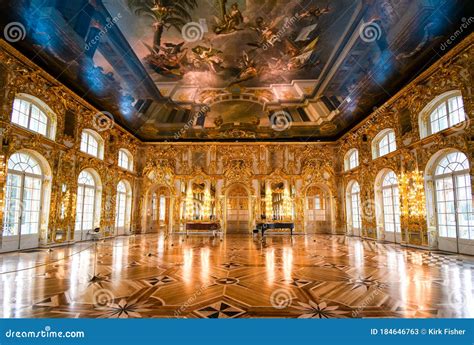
column 264, row 226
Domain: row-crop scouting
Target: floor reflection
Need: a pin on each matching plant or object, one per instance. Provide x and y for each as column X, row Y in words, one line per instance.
column 238, row 276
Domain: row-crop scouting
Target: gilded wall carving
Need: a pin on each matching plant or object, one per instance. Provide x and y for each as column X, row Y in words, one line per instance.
column 298, row 166
column 19, row 75
column 453, row 72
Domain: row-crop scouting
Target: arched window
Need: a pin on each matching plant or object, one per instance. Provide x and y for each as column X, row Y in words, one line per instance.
column 453, row 195
column 384, row 143
column 125, row 159
column 443, row 112
column 23, row 195
column 123, row 207
column 32, row 113
column 353, row 208
column 391, row 203
column 87, row 205
column 92, row 143
column 351, row 160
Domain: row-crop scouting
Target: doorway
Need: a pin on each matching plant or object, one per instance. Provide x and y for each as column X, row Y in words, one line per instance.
column 238, row 214
column 318, row 211
column 159, row 209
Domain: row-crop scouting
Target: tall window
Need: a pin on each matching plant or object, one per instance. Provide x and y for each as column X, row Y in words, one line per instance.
column 384, row 143
column 391, row 203
column 162, row 208
column 22, row 196
column 33, row 114
column 354, row 205
column 125, row 160
column 154, row 207
column 454, row 197
column 92, row 144
column 352, row 159
column 122, row 215
column 86, row 202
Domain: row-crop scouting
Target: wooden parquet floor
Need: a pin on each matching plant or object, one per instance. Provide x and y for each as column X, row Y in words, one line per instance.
column 318, row 276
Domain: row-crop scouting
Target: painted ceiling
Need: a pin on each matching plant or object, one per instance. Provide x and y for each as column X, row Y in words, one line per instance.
column 238, row 69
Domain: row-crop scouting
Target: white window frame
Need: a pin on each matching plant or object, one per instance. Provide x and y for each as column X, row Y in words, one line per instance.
column 88, row 189
column 128, row 164
column 442, row 103
column 353, row 207
column 88, row 137
column 453, row 177
column 391, row 202
column 23, row 174
column 32, row 103
column 351, row 160
column 391, row 145
column 123, row 206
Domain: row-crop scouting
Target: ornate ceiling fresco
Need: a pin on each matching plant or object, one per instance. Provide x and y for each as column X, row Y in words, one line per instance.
column 238, row 69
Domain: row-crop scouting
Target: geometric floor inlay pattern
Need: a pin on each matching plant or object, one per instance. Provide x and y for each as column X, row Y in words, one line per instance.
column 312, row 276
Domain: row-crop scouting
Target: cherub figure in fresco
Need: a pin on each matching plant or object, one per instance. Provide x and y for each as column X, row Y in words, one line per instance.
column 167, row 60
column 231, row 22
column 206, row 57
column 268, row 38
column 248, row 70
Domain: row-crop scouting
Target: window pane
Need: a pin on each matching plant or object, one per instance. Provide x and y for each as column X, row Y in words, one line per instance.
column 447, row 114
column 29, row 116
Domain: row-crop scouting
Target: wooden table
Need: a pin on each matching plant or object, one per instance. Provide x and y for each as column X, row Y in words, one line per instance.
column 203, row 227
